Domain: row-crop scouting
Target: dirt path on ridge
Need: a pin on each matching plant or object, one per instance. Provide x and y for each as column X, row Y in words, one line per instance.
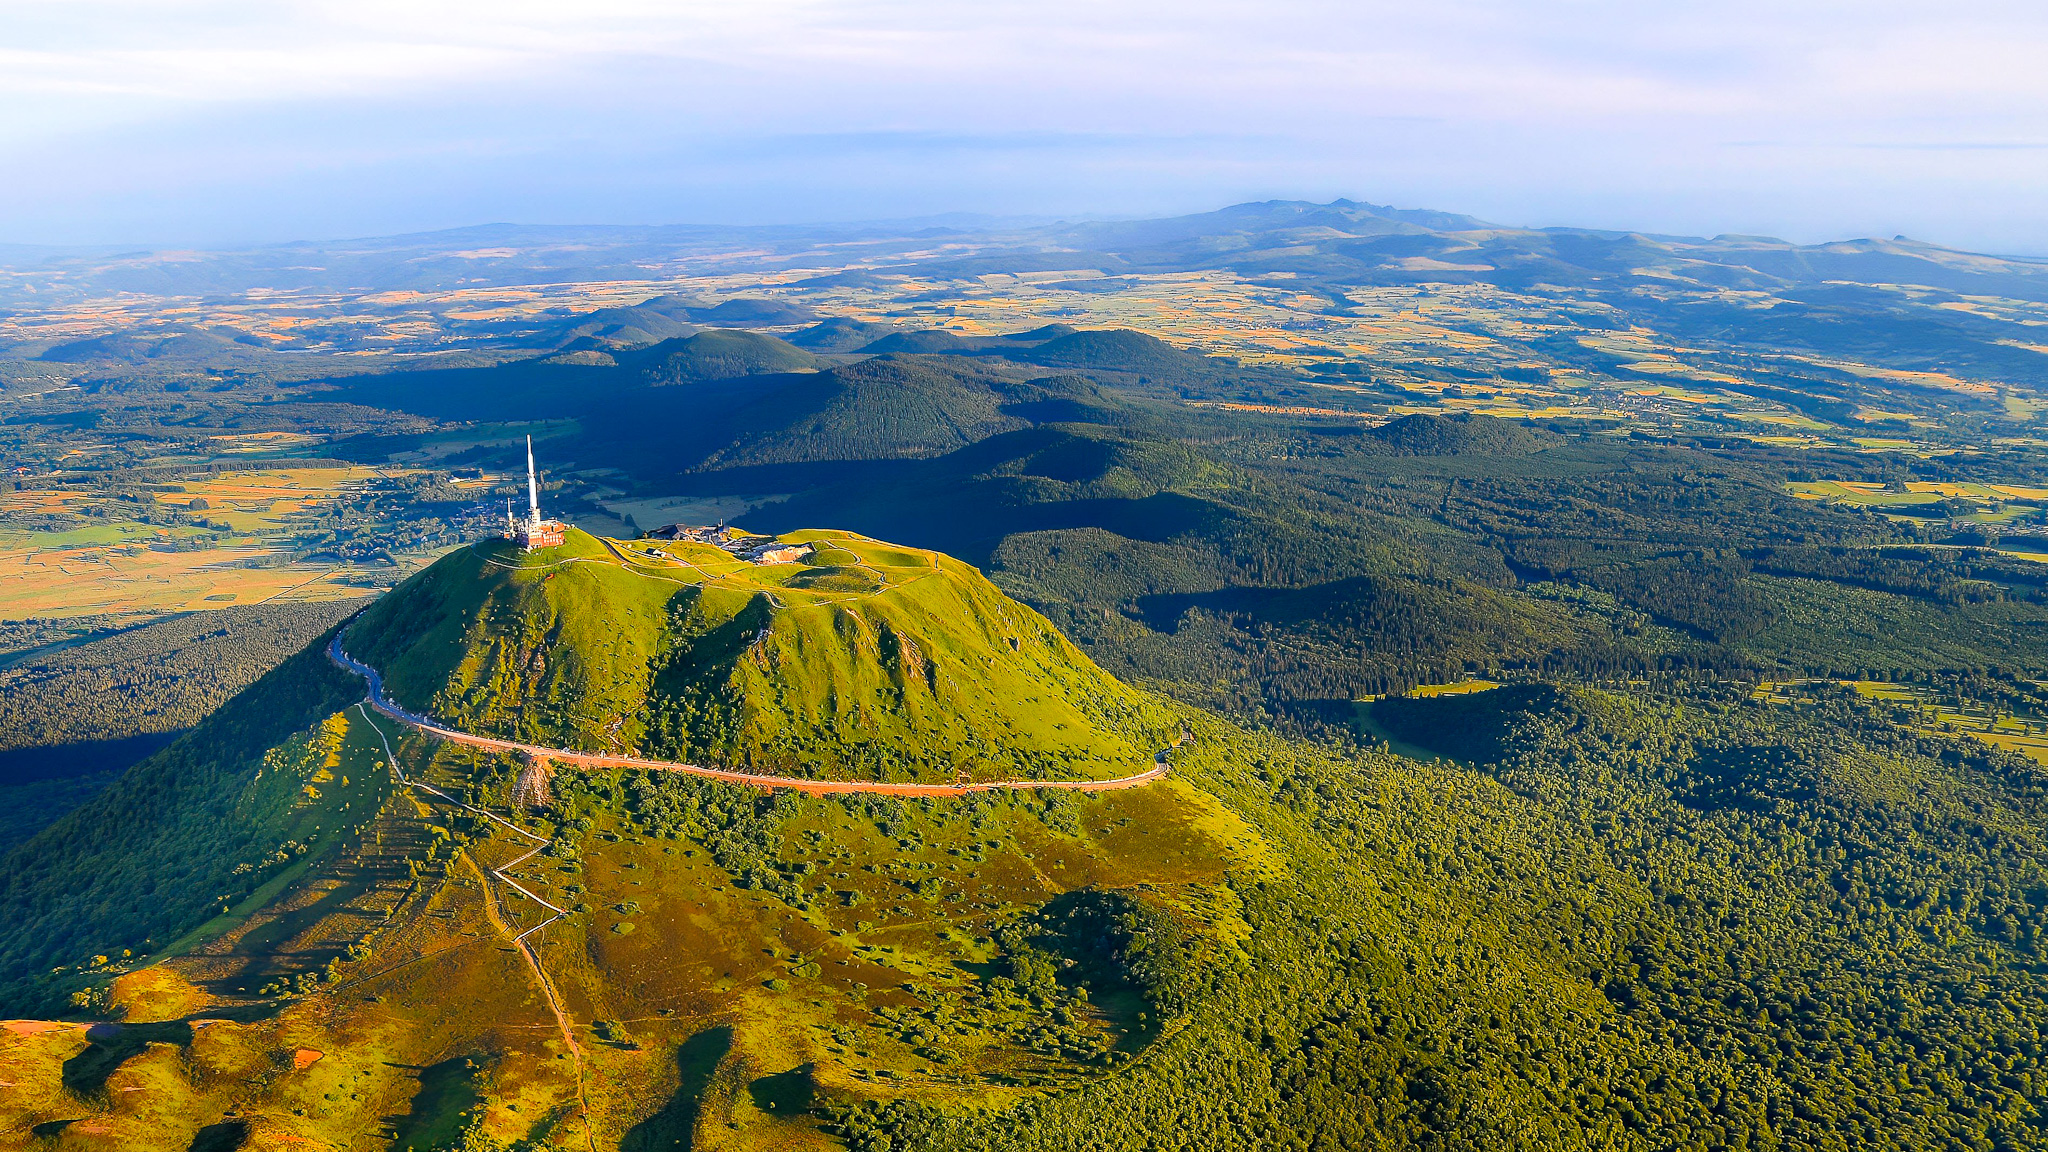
column 426, row 724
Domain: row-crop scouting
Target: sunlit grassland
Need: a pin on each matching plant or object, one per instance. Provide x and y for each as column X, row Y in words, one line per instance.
column 1781, row 419
column 1997, row 503
column 264, row 500
column 108, row 565
column 1937, row 713
column 1860, row 494
column 115, row 580
column 375, row 989
column 865, row 661
column 344, row 784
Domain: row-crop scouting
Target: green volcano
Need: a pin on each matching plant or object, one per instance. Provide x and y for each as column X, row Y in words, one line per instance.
column 861, row 660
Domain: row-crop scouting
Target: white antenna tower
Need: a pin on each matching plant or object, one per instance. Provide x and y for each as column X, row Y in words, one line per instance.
column 532, row 486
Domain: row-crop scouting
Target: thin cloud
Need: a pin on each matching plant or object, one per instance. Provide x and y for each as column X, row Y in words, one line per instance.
column 124, row 106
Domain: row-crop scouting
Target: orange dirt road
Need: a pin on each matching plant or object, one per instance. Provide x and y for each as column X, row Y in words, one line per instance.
column 429, row 726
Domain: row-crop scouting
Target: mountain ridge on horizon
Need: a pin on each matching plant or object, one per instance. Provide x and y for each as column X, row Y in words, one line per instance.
column 639, row 244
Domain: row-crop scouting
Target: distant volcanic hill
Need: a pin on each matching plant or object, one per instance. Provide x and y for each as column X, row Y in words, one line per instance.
column 863, row 661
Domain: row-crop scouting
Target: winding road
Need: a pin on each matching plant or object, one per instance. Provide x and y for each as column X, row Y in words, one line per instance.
column 376, row 699
column 428, row 725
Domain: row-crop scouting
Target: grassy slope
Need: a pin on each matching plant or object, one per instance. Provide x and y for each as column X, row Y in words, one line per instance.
column 759, row 953
column 876, row 662
column 1640, row 923
column 72, row 720
column 154, row 853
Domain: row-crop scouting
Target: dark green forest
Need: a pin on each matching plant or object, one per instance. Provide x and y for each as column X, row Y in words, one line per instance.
column 1283, row 566
column 159, row 678
column 156, row 852
column 1624, row 901
column 1653, row 919
column 1633, row 907
column 73, row 716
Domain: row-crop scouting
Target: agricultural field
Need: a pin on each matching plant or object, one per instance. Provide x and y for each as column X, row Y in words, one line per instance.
column 114, row 548
column 1935, row 710
column 2001, row 505
column 1898, row 366
column 137, row 579
column 1932, row 711
column 1346, row 677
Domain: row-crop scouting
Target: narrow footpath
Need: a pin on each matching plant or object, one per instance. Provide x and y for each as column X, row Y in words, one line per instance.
column 503, row 875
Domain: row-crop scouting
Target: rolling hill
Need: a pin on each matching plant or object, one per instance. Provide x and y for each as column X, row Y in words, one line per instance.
column 1576, row 917
column 1492, row 721
column 863, row 661
column 719, row 354
column 322, row 914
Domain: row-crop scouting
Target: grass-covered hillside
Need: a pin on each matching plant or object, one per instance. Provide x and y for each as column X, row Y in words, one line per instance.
column 1636, row 919
column 74, row 716
column 863, row 661
column 180, row 837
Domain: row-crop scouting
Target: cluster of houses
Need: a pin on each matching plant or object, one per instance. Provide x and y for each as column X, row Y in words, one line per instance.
column 748, row 547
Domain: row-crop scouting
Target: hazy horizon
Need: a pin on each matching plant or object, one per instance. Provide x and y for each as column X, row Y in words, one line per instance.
column 965, row 222
column 220, row 124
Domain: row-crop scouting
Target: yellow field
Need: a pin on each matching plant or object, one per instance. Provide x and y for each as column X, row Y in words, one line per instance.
column 1872, row 415
column 1863, row 494
column 272, row 494
column 1427, row 691
column 1902, row 376
column 1970, row 491
column 1669, row 366
column 235, row 443
column 112, row 566
column 1285, row 410
column 1858, row 493
column 38, row 501
column 1407, row 333
column 1681, row 395
column 1783, row 419
column 1461, row 688
column 94, row 581
column 2013, row 733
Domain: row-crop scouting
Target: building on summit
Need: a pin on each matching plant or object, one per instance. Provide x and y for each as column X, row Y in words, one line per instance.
column 533, row 532
column 753, row 549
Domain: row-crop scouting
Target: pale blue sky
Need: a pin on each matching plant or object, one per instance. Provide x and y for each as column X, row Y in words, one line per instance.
column 171, row 121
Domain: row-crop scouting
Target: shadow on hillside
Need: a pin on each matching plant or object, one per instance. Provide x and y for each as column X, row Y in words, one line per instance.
column 785, row 1093
column 226, row 1136
column 447, row 1092
column 85, row 1075
column 675, row 1126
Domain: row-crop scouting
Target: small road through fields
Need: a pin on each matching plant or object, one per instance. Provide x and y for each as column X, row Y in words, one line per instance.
column 429, row 726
